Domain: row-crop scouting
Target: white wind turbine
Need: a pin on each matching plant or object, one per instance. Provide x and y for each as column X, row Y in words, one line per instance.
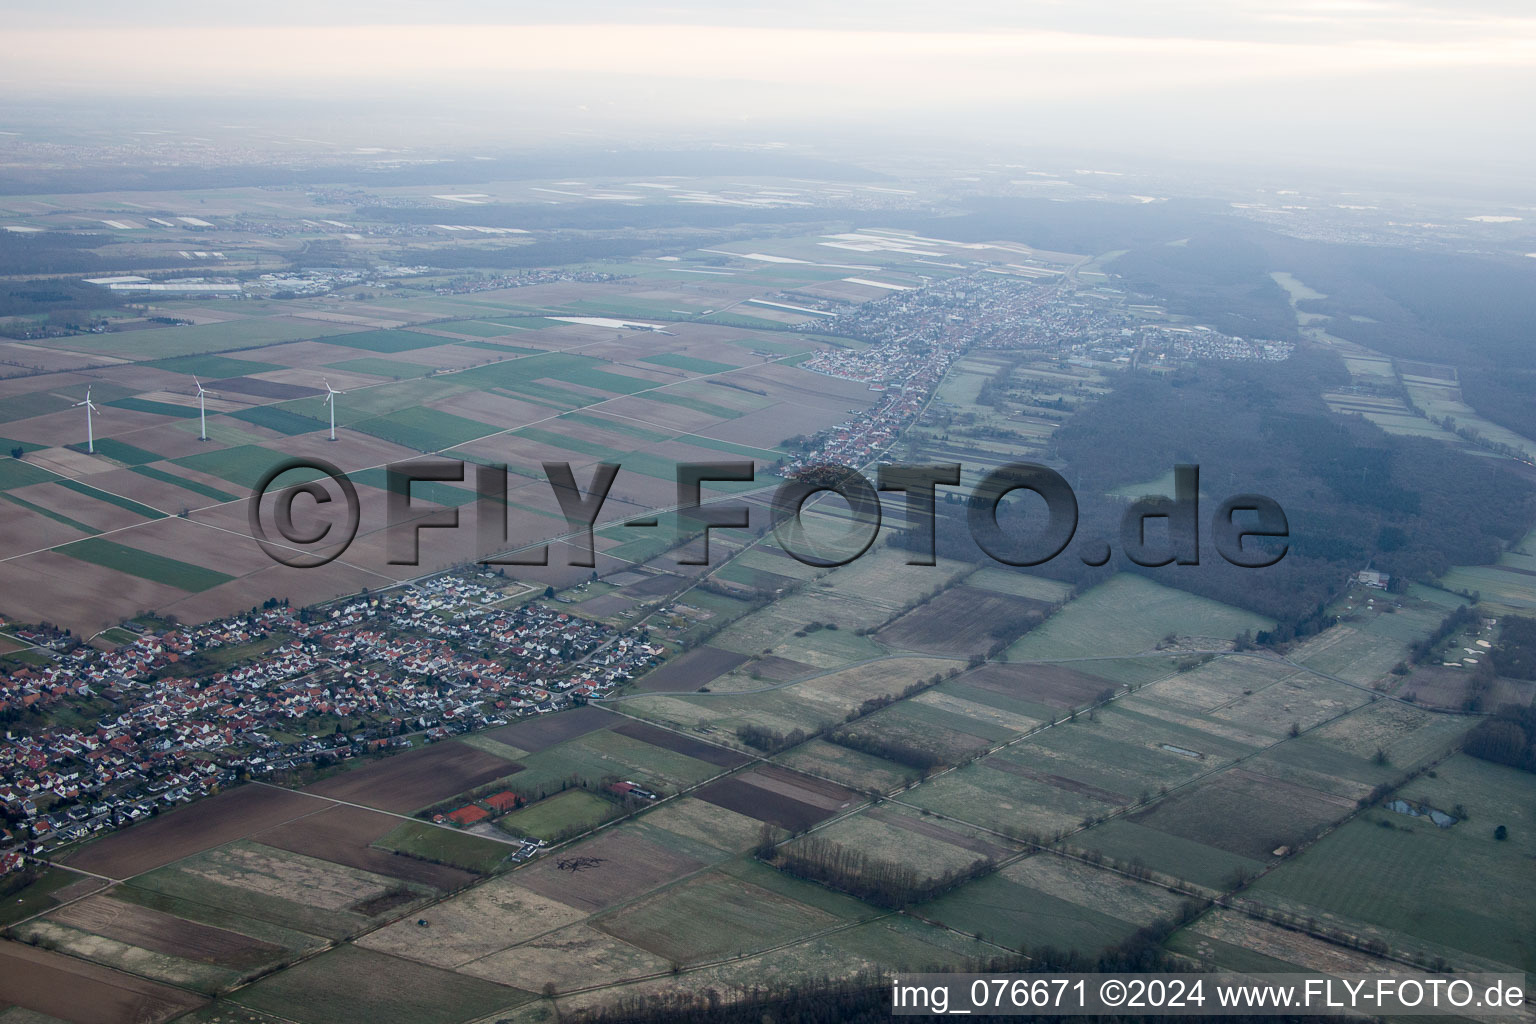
column 201, row 411
column 330, row 400
column 90, row 407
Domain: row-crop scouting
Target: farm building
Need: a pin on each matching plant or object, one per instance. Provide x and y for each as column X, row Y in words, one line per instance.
column 502, row 802
column 469, row 815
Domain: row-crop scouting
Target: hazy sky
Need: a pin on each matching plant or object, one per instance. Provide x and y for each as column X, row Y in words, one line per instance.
column 1381, row 80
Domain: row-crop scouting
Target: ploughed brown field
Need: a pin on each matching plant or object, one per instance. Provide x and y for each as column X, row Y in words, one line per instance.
column 543, row 732
column 963, row 620
column 233, row 814
column 692, row 670
column 680, row 744
column 165, row 933
column 74, row 990
column 653, row 586
column 613, row 867
column 1045, row 684
column 419, row 778
column 779, row 796
column 778, row 669
column 343, row 835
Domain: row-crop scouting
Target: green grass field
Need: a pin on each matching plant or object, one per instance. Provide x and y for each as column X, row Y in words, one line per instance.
column 1128, row 614
column 1455, row 887
column 389, row 341
column 574, row 808
column 111, row 499
column 121, row 451
column 8, row 445
column 16, row 473
column 182, row 575
column 690, row 363
column 572, row 369
column 445, row 846
column 36, row 897
column 36, row 403
column 281, row 420
column 242, row 465
column 180, row 412
column 424, row 429
column 185, row 484
column 605, row 755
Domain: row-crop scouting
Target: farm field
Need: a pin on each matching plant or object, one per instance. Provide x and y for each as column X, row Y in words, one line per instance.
column 416, row 778
column 355, row 984
column 1128, row 615
column 692, row 670
column 61, row 987
column 151, row 943
column 411, row 385
column 779, row 797
column 851, row 768
column 1355, row 876
column 648, row 757
column 1048, row 901
column 964, row 620
column 189, row 830
column 282, row 888
column 348, row 836
column 418, row 840
column 712, row 917
column 572, row 809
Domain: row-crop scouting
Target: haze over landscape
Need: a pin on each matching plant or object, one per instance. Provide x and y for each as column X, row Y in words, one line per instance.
column 622, row 513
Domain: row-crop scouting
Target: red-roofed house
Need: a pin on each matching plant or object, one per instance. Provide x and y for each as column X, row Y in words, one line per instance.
column 502, row 802
column 469, row 815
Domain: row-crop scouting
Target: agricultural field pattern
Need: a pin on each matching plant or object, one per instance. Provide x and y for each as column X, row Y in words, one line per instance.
column 451, row 789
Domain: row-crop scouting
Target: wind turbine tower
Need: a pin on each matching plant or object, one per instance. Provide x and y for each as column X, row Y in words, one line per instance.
column 202, row 412
column 90, row 407
column 330, row 400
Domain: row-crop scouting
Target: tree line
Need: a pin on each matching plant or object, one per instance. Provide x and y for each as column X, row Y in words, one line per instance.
column 884, row 883
column 1508, row 737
